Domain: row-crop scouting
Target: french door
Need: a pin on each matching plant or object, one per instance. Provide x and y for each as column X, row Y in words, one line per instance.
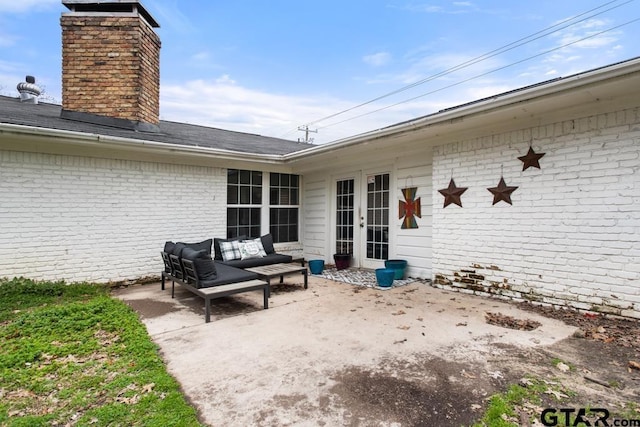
column 375, row 221
column 362, row 218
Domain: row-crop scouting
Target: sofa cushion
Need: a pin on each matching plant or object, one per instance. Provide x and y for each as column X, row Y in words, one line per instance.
column 251, row 249
column 216, row 245
column 168, row 247
column 205, row 267
column 267, row 243
column 257, row 262
column 205, row 244
column 226, row 275
column 177, row 249
column 230, row 250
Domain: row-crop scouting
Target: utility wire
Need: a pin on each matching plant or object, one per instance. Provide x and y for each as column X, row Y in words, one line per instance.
column 520, row 42
column 481, row 75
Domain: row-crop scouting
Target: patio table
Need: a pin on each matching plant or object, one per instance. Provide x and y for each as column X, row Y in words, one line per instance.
column 268, row 272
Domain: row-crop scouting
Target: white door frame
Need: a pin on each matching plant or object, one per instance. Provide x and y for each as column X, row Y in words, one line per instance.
column 356, row 177
column 364, row 261
column 359, row 258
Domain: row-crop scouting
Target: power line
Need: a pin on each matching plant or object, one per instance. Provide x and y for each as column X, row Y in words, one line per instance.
column 520, row 42
column 482, row 74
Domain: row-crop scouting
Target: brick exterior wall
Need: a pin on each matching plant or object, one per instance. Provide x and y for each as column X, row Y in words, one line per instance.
column 571, row 237
column 111, row 67
column 100, row 220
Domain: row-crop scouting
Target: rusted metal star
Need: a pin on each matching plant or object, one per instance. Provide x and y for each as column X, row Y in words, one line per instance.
column 531, row 159
column 452, row 194
column 502, row 192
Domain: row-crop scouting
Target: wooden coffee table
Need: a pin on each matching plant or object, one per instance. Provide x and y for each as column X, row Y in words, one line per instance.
column 268, row 272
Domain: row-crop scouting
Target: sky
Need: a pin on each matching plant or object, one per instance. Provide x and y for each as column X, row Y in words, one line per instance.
column 338, row 67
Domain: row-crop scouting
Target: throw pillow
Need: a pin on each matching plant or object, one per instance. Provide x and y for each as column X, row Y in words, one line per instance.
column 168, row 247
column 267, row 243
column 205, row 267
column 230, row 250
column 204, row 245
column 251, row 249
column 177, row 249
column 216, row 245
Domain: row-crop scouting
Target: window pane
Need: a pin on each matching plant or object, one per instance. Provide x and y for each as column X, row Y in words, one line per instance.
column 245, row 177
column 232, row 195
column 256, row 178
column 245, row 195
column 232, row 176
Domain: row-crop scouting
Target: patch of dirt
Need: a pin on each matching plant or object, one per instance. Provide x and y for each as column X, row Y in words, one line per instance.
column 431, row 392
column 590, row 370
column 511, row 322
column 599, row 327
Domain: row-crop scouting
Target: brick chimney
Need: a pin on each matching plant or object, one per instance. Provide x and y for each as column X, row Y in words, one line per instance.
column 110, row 64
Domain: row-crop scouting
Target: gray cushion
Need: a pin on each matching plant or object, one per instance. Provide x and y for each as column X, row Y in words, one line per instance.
column 256, row 262
column 226, row 275
column 204, row 245
column 168, row 247
column 267, row 243
column 204, row 266
column 177, row 249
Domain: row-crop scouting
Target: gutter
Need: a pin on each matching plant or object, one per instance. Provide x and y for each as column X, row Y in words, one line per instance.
column 103, row 141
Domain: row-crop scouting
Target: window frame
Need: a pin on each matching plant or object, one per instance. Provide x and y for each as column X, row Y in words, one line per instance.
column 286, row 188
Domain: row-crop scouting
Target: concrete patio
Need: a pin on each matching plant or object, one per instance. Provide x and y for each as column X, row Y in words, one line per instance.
column 338, row 354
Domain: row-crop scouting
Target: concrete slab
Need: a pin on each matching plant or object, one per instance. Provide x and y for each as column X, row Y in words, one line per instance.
column 297, row 363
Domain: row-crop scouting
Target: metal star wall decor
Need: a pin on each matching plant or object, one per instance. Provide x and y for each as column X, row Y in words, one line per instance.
column 452, row 194
column 410, row 208
column 531, row 159
column 502, row 192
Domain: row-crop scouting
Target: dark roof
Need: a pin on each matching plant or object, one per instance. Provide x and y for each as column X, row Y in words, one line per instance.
column 48, row 116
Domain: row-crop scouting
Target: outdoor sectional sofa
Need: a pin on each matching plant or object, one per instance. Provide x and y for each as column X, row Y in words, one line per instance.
column 191, row 265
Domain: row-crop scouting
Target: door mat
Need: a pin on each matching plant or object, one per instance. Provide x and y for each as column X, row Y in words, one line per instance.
column 360, row 277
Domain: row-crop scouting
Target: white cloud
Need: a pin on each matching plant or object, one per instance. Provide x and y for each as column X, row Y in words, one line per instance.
column 377, row 59
column 585, row 35
column 222, row 103
column 22, row 6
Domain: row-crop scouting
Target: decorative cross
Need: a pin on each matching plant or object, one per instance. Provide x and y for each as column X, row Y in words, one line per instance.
column 410, row 208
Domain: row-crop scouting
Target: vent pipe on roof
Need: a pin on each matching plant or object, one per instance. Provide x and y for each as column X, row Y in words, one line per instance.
column 29, row 90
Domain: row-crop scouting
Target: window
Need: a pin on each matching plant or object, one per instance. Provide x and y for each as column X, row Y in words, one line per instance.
column 283, row 220
column 246, row 198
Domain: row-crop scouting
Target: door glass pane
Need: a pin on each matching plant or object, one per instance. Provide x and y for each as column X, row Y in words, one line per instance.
column 378, row 217
column 344, row 216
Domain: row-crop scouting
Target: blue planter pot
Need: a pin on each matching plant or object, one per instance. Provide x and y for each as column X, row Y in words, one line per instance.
column 385, row 277
column 398, row 265
column 316, row 266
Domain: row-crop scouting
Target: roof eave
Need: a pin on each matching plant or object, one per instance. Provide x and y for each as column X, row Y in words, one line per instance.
column 104, row 141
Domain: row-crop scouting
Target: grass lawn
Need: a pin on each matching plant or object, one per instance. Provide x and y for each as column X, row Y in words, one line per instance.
column 72, row 355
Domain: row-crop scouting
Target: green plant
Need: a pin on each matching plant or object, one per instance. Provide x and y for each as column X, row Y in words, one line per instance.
column 71, row 354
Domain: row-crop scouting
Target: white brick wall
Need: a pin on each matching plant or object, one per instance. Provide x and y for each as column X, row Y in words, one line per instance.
column 572, row 236
column 100, row 220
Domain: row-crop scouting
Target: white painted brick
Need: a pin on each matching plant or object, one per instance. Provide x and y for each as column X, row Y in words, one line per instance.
column 572, row 234
column 101, row 220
